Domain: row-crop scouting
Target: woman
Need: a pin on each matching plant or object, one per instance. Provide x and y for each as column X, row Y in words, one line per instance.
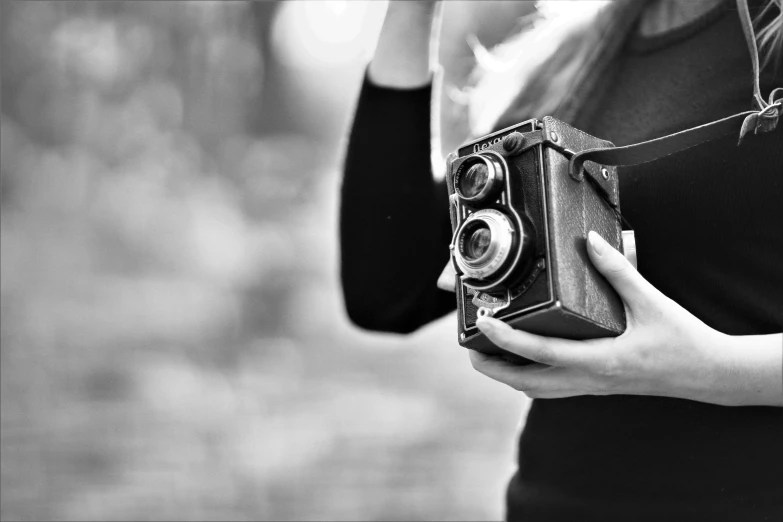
column 679, row 418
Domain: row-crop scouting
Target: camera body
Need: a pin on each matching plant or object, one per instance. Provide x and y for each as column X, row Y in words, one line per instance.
column 520, row 219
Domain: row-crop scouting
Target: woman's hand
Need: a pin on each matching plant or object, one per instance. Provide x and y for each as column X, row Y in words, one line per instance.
column 664, row 351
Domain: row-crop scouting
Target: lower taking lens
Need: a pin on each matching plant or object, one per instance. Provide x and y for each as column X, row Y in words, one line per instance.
column 478, row 243
column 483, row 243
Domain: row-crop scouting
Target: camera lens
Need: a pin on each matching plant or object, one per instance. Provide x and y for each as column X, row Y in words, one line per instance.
column 484, row 243
column 480, row 177
column 474, row 180
column 492, row 249
column 478, row 242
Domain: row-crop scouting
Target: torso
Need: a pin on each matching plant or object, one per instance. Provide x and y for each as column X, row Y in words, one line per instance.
column 709, row 235
column 662, row 16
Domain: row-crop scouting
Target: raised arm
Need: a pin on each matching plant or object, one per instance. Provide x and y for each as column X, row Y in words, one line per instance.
column 394, row 228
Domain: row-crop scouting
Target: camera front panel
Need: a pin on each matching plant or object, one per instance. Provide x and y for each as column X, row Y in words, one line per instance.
column 498, row 215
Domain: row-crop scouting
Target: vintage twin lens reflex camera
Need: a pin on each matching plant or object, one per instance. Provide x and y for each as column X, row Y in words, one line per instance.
column 520, row 222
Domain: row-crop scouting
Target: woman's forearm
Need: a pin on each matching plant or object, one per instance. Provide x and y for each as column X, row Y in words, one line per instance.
column 394, row 219
column 407, row 46
column 751, row 371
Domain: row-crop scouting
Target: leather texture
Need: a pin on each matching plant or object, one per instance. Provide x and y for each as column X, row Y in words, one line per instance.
column 658, row 148
column 574, row 209
column 528, row 140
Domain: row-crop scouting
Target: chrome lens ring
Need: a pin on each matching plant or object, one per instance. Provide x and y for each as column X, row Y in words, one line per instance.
column 501, row 232
column 494, row 166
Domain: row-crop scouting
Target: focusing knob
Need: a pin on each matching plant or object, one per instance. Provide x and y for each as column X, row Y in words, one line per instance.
column 513, row 143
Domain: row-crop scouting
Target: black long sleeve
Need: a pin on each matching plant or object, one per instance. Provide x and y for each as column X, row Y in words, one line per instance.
column 394, row 224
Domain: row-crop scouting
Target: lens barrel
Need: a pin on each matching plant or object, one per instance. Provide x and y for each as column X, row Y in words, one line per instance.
column 474, row 180
column 479, row 242
column 479, row 177
column 484, row 243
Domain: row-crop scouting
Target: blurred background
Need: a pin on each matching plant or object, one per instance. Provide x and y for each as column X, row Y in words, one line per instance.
column 174, row 344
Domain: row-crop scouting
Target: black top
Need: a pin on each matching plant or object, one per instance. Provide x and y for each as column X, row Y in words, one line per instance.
column 709, row 235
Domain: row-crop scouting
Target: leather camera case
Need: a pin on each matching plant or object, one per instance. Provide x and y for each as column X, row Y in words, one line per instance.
column 564, row 295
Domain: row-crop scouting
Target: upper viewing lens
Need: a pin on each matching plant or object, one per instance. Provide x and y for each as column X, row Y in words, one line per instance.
column 474, row 180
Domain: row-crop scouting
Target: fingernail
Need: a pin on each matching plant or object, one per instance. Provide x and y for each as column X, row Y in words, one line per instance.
column 597, row 243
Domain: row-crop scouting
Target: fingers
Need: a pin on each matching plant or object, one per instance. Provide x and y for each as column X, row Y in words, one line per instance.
column 536, row 381
column 518, row 377
column 634, row 290
column 545, row 350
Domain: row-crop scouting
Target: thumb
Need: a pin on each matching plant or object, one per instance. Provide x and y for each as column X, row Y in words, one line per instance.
column 632, row 287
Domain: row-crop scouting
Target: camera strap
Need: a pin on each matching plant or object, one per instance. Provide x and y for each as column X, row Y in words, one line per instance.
column 764, row 118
